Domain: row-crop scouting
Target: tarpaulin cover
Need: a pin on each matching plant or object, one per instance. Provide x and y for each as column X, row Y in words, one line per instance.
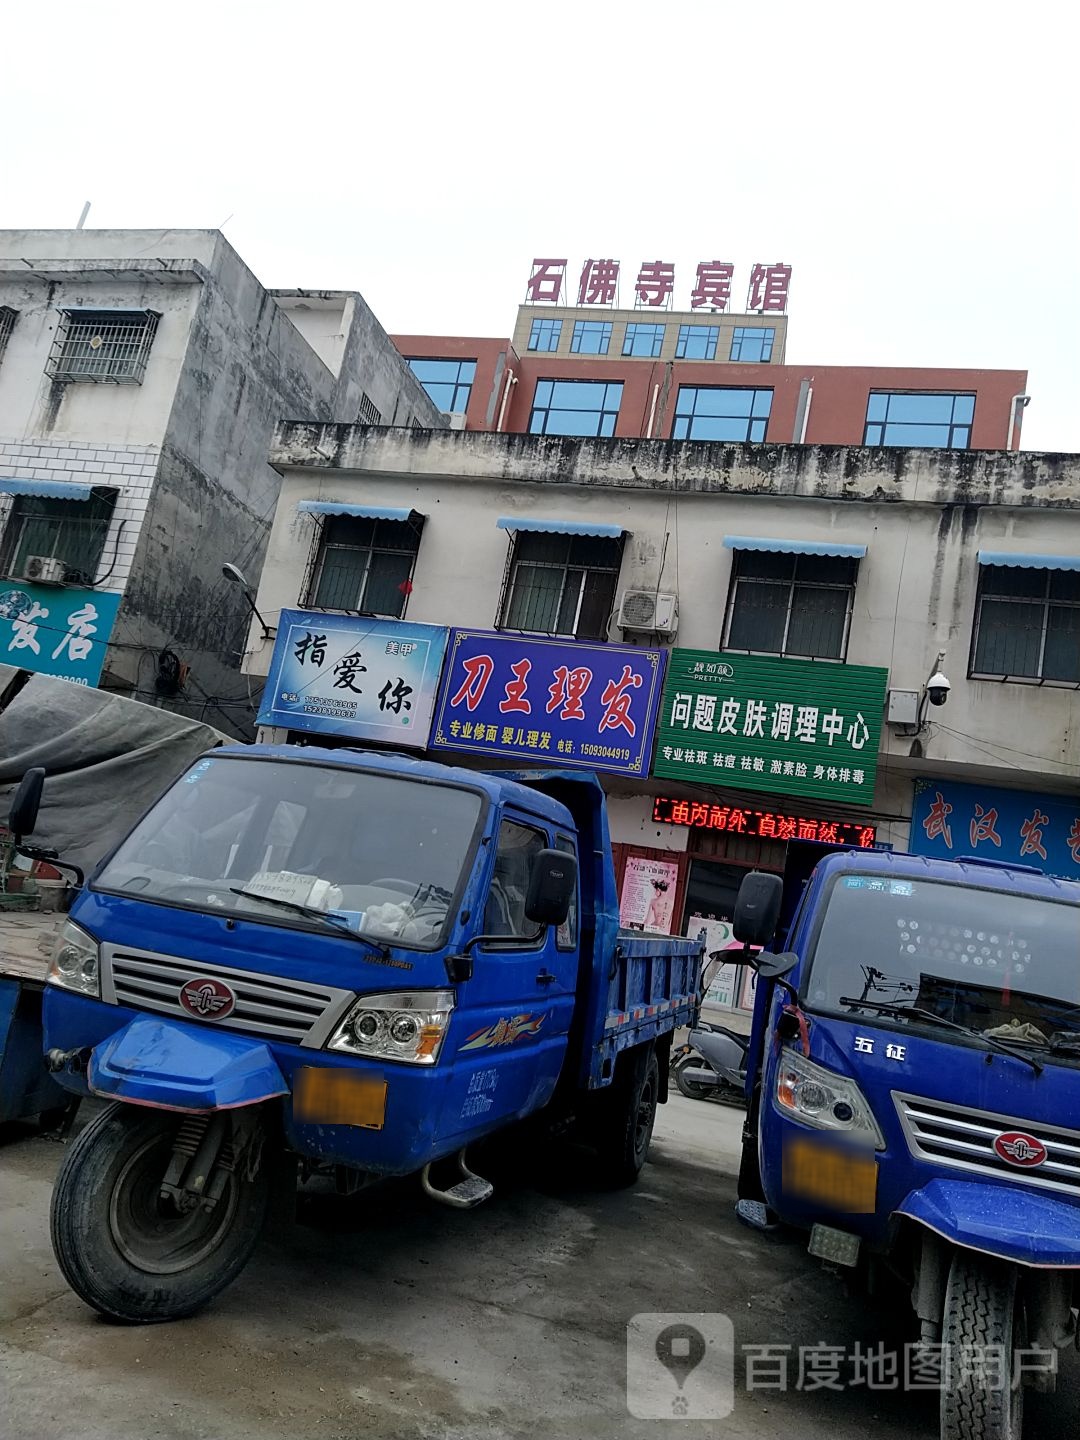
column 106, row 760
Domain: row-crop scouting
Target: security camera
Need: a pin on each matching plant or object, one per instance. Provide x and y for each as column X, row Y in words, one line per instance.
column 937, row 688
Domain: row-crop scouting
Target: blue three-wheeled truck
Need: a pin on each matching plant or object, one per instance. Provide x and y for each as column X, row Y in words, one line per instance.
column 359, row 960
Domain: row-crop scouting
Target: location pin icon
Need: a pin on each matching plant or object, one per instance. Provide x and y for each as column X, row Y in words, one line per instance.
column 680, row 1349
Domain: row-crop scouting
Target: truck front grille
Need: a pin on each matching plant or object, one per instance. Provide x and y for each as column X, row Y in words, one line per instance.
column 293, row 1011
column 964, row 1140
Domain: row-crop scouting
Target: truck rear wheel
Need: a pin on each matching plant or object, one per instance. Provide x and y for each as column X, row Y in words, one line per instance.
column 128, row 1249
column 626, row 1125
column 982, row 1321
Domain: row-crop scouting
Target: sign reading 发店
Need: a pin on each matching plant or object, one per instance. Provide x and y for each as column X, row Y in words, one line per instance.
column 336, row 675
column 57, row 630
column 556, row 702
column 787, row 727
column 950, row 820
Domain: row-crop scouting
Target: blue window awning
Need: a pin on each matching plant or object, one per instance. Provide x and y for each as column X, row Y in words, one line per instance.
column 363, row 512
column 47, row 489
column 559, row 527
column 1016, row 560
column 795, row 547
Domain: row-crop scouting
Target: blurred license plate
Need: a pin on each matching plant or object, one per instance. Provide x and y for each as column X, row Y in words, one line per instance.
column 325, row 1096
column 831, row 1175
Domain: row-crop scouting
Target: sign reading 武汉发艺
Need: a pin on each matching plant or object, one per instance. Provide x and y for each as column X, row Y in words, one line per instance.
column 339, row 675
column 787, row 727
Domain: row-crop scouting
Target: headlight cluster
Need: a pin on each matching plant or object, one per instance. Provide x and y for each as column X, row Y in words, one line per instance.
column 75, row 961
column 406, row 1025
column 823, row 1099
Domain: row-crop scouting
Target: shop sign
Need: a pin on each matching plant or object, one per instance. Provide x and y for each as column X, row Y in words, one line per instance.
column 950, row 820
column 365, row 679
column 762, row 824
column 654, row 286
column 550, row 701
column 57, row 630
column 647, row 901
column 788, row 727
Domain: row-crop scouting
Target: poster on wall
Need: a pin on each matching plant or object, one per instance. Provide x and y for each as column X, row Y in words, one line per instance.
column 723, row 979
column 648, row 894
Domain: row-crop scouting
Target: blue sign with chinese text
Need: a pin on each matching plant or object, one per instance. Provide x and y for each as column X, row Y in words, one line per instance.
column 551, row 701
column 950, row 820
column 56, row 630
column 368, row 679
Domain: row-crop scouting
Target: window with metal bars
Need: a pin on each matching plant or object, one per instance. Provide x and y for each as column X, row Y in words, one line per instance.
column 108, row 347
column 369, row 414
column 1027, row 625
column 797, row 605
column 8, row 316
column 562, row 584
column 365, row 565
column 71, row 531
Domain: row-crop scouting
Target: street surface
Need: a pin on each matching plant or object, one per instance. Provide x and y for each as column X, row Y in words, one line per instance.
column 388, row 1316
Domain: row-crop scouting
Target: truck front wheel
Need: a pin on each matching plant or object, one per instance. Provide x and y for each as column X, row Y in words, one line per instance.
column 626, row 1124
column 131, row 1247
column 982, row 1330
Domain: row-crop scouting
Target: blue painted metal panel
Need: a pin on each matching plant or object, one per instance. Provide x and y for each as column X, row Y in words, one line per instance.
column 49, row 489
column 794, row 547
column 559, row 527
column 365, row 512
column 1017, row 560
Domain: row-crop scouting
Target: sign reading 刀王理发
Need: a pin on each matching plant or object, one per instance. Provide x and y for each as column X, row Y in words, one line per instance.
column 787, row 727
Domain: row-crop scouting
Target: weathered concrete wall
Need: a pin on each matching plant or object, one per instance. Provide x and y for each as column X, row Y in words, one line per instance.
column 922, row 515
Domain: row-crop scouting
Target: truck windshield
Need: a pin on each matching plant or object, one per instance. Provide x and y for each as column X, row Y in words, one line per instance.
column 383, row 852
column 1004, row 964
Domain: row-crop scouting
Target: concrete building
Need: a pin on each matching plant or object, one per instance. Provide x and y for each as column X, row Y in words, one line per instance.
column 592, row 371
column 141, row 376
column 858, row 561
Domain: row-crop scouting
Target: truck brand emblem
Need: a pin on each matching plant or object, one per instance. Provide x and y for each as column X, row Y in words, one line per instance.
column 1016, row 1148
column 207, row 999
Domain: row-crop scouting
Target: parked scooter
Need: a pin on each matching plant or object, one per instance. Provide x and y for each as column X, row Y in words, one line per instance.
column 712, row 1065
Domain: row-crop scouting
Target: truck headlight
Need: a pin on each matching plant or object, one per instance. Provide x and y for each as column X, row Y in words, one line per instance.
column 823, row 1099
column 406, row 1025
column 75, row 961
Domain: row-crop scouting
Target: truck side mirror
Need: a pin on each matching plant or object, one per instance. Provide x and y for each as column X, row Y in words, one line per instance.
column 757, row 908
column 25, row 803
column 552, row 887
column 775, row 967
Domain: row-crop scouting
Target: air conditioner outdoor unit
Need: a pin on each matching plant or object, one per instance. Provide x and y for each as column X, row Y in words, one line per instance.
column 45, row 569
column 646, row 610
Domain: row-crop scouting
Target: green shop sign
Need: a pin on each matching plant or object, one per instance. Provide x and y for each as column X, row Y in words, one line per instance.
column 788, row 727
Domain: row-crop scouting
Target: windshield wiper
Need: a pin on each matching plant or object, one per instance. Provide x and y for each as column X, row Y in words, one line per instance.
column 336, row 921
column 992, row 1042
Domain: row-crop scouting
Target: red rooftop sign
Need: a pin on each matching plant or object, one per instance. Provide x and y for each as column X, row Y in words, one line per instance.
column 762, row 824
column 598, row 284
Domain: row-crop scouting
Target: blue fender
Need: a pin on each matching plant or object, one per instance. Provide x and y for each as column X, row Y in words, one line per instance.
column 1027, row 1226
column 174, row 1066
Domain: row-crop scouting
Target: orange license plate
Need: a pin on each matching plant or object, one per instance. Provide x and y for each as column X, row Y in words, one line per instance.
column 324, row 1096
column 831, row 1175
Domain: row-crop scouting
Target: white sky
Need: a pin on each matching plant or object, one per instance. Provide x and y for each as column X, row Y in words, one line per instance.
column 915, row 163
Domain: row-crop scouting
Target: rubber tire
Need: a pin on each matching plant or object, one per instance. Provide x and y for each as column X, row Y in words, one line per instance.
column 980, row 1310
column 690, row 1088
column 623, row 1147
column 84, row 1246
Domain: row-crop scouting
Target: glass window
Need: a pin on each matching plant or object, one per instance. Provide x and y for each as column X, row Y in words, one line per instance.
column 1027, row 624
column 591, row 337
column 562, row 584
column 567, row 933
column 104, row 346
column 697, row 342
column 798, row 605
column 752, row 343
column 72, row 531
column 365, row 565
column 919, row 418
column 447, row 382
column 643, row 340
column 393, row 848
column 545, row 335
column 505, row 911
column 721, row 412
column 575, row 407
